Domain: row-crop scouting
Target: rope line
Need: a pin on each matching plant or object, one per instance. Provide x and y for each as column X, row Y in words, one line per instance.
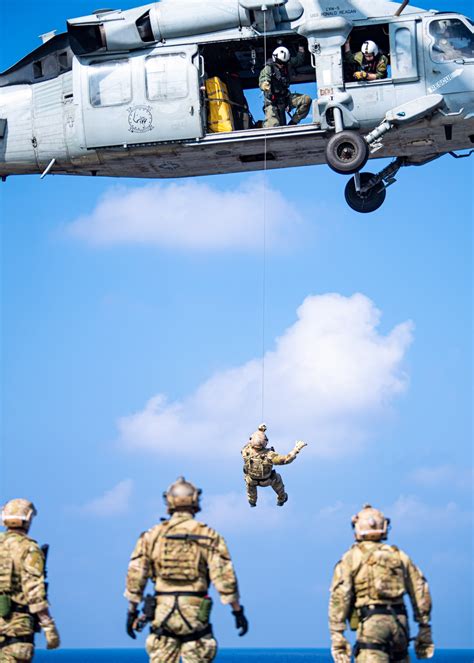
column 264, row 238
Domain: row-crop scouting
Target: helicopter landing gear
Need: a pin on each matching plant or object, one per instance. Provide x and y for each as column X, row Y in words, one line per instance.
column 366, row 192
column 347, row 152
column 361, row 197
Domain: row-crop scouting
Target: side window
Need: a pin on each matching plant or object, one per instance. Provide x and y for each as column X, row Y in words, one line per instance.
column 452, row 40
column 110, row 83
column 403, row 62
column 167, row 77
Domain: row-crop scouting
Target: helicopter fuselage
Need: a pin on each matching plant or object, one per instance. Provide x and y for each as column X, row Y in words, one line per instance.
column 126, row 111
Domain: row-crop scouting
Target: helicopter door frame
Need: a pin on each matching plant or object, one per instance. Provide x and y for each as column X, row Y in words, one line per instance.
column 140, row 98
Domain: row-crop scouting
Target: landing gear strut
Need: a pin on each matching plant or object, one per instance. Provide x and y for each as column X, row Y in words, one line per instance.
column 366, row 192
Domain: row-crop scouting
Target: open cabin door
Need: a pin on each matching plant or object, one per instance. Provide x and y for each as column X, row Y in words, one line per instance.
column 140, row 98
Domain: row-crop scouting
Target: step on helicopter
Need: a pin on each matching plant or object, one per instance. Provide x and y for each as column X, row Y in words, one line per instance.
column 126, row 93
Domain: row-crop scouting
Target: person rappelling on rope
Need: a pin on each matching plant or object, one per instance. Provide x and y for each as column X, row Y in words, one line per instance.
column 258, row 466
column 274, row 81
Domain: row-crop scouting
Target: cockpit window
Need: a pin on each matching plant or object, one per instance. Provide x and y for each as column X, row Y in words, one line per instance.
column 452, row 40
column 167, row 77
column 110, row 83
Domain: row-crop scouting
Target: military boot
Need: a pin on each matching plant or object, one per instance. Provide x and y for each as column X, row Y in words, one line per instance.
column 281, row 500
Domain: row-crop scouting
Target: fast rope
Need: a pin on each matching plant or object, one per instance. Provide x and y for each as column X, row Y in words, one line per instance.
column 264, row 230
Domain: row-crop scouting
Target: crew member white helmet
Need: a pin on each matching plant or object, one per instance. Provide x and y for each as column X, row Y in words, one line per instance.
column 370, row 48
column 281, row 55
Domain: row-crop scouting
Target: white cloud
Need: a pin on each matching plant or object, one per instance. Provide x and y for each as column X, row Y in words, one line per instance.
column 442, row 475
column 330, row 374
column 410, row 514
column 190, row 215
column 113, row 502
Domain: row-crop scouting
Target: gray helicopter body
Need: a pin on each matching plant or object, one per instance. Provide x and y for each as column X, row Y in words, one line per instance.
column 122, row 93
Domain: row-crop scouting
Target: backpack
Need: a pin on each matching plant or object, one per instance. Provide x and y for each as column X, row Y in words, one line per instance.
column 257, row 464
column 385, row 574
column 179, row 554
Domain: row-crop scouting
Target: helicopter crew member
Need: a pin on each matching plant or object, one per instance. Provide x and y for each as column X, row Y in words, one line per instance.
column 274, row 81
column 258, row 466
column 182, row 557
column 23, row 601
column 369, row 64
column 368, row 587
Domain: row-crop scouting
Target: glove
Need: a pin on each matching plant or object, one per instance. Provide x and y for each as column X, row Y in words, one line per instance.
column 241, row 621
column 424, row 647
column 132, row 616
column 340, row 648
column 265, row 86
column 300, row 445
column 361, row 75
column 51, row 634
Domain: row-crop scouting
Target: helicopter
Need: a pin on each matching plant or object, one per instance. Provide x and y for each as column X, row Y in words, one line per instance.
column 126, row 93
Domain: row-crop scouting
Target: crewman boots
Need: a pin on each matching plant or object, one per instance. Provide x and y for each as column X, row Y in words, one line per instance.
column 281, row 500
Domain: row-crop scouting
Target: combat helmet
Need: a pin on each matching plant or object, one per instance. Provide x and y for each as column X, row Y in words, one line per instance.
column 182, row 495
column 259, row 440
column 18, row 513
column 370, row 524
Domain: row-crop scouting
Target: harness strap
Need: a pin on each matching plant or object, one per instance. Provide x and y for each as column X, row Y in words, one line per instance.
column 376, row 646
column 177, row 593
column 373, row 646
column 189, row 637
column 10, row 640
column 390, row 609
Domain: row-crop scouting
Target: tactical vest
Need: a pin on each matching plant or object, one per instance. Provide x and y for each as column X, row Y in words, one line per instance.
column 280, row 81
column 380, row 576
column 257, row 464
column 179, row 554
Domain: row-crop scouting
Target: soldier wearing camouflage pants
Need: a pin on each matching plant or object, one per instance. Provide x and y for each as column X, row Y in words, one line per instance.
column 258, row 466
column 368, row 587
column 181, row 556
column 22, row 587
column 274, row 81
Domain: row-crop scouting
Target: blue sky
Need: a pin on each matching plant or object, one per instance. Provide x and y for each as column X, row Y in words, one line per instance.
column 131, row 358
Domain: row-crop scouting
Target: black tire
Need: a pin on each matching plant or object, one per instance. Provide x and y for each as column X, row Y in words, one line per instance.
column 347, row 152
column 368, row 202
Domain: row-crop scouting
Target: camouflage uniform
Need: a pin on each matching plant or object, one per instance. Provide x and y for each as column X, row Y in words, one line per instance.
column 357, row 63
column 279, row 97
column 368, row 587
column 22, row 577
column 258, row 466
column 182, row 556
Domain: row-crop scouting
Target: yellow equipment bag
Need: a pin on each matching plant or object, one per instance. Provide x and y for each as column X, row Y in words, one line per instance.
column 219, row 117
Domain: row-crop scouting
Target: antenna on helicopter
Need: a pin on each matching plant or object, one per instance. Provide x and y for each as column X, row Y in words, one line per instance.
column 402, row 7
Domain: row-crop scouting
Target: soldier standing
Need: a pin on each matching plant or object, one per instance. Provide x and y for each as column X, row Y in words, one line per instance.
column 274, row 81
column 181, row 556
column 23, row 601
column 258, row 466
column 368, row 587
